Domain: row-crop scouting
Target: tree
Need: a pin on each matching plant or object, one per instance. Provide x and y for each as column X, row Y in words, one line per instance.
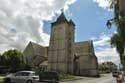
column 116, row 42
column 13, row 59
column 2, row 60
column 118, row 39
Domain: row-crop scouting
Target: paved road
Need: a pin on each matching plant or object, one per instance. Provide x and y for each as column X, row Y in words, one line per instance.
column 103, row 79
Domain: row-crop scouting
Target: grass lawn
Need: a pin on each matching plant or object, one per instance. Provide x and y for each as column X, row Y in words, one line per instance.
column 68, row 78
column 1, row 79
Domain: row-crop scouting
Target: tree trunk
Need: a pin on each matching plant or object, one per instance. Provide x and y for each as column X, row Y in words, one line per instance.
column 122, row 7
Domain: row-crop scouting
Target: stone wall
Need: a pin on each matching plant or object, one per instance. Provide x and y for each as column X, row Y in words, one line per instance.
column 87, row 62
column 61, row 49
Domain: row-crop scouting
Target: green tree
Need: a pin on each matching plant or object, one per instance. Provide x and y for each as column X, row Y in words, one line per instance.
column 116, row 42
column 118, row 39
column 13, row 59
column 2, row 60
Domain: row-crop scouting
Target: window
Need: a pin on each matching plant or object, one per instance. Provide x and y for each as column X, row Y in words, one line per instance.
column 25, row 73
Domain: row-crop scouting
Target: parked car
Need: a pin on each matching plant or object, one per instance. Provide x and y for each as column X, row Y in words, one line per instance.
column 21, row 77
column 52, row 77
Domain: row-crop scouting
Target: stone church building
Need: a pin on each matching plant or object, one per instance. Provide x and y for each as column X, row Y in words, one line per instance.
column 64, row 55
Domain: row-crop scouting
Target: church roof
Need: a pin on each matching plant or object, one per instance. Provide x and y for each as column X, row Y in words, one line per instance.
column 37, row 49
column 39, row 59
column 62, row 19
column 36, row 46
column 35, row 53
column 71, row 22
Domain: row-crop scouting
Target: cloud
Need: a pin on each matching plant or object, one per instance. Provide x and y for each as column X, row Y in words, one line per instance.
column 103, row 50
column 22, row 21
column 108, row 54
column 103, row 3
column 102, row 40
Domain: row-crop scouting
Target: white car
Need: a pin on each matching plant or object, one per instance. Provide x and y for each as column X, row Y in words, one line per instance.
column 22, row 77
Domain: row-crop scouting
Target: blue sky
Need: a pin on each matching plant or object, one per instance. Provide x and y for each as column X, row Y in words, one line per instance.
column 22, row 21
column 90, row 20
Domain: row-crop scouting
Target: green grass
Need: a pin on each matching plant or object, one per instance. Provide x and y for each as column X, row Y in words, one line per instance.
column 68, row 78
column 1, row 79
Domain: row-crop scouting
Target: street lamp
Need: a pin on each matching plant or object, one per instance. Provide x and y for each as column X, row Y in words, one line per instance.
column 109, row 23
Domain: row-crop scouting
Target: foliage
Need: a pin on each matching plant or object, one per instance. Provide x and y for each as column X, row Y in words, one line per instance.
column 13, row 59
column 118, row 39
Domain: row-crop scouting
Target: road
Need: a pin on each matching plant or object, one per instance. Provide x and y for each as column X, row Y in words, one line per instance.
column 107, row 78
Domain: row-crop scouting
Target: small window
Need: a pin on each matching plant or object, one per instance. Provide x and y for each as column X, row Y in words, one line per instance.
column 18, row 74
column 25, row 74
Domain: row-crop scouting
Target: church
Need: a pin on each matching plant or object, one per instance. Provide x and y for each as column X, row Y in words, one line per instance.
column 63, row 54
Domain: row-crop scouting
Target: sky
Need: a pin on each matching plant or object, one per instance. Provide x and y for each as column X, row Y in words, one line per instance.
column 22, row 21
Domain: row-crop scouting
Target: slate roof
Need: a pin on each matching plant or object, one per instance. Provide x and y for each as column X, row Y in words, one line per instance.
column 62, row 19
column 38, row 52
column 38, row 48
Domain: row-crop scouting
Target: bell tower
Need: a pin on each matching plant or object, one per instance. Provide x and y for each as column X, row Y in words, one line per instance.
column 61, row 49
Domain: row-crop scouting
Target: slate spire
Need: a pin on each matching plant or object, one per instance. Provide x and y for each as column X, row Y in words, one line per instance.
column 71, row 22
column 61, row 18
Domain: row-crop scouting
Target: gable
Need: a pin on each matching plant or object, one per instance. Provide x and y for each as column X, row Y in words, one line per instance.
column 39, row 50
column 84, row 48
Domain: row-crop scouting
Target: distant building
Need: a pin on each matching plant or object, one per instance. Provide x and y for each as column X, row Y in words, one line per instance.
column 107, row 67
column 63, row 54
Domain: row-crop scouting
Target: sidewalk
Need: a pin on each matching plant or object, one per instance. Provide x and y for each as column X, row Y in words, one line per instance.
column 123, row 82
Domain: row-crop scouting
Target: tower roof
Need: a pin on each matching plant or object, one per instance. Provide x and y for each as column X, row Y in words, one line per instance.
column 61, row 19
column 71, row 22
